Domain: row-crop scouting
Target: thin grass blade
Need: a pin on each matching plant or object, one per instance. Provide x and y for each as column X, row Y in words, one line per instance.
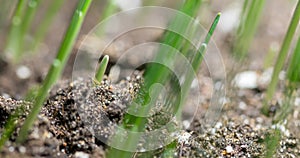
column 13, row 42
column 53, row 9
column 57, row 66
column 248, row 25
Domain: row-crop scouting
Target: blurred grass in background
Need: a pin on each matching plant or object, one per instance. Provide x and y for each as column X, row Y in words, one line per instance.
column 249, row 20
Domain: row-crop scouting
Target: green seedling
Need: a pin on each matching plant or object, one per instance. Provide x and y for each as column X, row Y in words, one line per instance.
column 28, row 17
column 10, row 125
column 16, row 41
column 5, row 12
column 270, row 57
column 250, row 18
column 272, row 141
column 293, row 73
column 281, row 58
column 13, row 42
column 57, row 66
column 109, row 9
column 198, row 58
column 293, row 80
column 137, row 124
column 155, row 74
column 46, row 23
column 101, row 69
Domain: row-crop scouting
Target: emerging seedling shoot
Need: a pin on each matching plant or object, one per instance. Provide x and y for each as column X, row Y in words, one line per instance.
column 101, row 69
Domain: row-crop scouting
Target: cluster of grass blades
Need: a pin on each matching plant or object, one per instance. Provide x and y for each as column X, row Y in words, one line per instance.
column 158, row 74
column 293, row 73
column 292, row 83
column 250, row 17
column 41, row 32
column 22, row 19
column 281, row 58
column 57, row 66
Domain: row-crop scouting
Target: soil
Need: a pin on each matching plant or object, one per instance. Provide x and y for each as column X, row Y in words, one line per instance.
column 60, row 130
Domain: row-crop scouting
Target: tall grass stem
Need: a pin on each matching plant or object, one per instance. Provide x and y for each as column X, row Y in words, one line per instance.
column 57, row 66
column 281, row 58
column 13, row 43
column 247, row 28
column 156, row 74
column 293, row 73
column 53, row 9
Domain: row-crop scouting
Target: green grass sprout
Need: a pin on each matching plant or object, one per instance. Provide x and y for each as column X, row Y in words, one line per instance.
column 155, row 73
column 198, row 58
column 281, row 58
column 138, row 123
column 109, row 9
column 272, row 141
column 28, row 17
column 39, row 35
column 13, row 42
column 10, row 125
column 101, row 69
column 250, row 18
column 18, row 36
column 293, row 73
column 293, row 81
column 5, row 11
column 57, row 66
column 25, row 26
column 270, row 57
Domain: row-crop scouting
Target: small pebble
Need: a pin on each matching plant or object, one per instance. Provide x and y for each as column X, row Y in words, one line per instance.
column 282, row 75
column 184, row 138
column 229, row 149
column 242, row 105
column 23, row 72
column 80, row 154
column 230, row 18
column 297, row 101
column 218, row 125
column 246, row 79
column 126, row 5
column 22, row 149
column 186, row 124
column 11, row 149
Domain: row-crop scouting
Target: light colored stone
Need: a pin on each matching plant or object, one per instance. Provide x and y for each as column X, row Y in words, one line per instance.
column 23, row 72
column 246, row 79
column 80, row 154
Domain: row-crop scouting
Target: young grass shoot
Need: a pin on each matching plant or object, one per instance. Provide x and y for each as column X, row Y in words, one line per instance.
column 281, row 58
column 247, row 28
column 137, row 123
column 101, row 69
column 57, row 66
